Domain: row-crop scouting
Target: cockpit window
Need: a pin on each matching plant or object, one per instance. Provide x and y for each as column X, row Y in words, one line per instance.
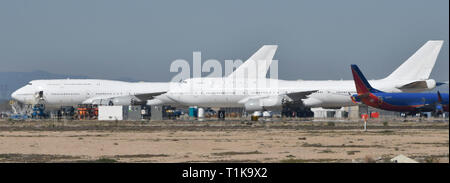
column 30, row 83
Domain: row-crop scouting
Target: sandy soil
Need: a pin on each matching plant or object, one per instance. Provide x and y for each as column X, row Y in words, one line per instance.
column 221, row 141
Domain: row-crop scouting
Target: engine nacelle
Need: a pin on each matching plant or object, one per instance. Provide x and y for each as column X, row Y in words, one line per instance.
column 153, row 102
column 263, row 103
column 124, row 100
column 431, row 83
column 253, row 105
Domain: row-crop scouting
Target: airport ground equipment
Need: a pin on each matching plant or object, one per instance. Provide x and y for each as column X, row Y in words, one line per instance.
column 87, row 111
column 3, row 115
column 38, row 111
column 201, row 114
column 221, row 115
column 19, row 107
column 125, row 112
column 267, row 114
column 210, row 113
column 145, row 112
column 66, row 112
column 193, row 111
column 133, row 113
column 160, row 112
column 256, row 115
column 365, row 117
column 108, row 113
column 296, row 109
column 19, row 117
column 171, row 112
column 156, row 112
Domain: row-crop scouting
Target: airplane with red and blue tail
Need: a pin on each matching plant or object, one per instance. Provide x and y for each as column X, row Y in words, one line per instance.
column 400, row 102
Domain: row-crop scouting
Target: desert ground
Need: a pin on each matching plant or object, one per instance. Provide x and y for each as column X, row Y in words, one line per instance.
column 222, row 141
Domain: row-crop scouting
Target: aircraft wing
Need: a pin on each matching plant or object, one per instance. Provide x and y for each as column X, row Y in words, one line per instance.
column 148, row 96
column 294, row 96
column 429, row 107
column 122, row 100
column 297, row 96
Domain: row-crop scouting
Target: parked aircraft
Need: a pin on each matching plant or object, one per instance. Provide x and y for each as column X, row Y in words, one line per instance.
column 411, row 76
column 243, row 88
column 70, row 92
column 401, row 102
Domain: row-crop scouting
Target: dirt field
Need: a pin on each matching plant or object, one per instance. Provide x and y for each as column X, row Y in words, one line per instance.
column 230, row 141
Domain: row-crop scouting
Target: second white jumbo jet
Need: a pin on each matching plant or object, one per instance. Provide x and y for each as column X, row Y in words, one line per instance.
column 260, row 93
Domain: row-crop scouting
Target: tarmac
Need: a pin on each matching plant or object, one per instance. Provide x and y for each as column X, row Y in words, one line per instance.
column 281, row 140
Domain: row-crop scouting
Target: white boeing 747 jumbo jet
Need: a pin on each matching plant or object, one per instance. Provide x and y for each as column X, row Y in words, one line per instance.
column 255, row 94
column 70, row 92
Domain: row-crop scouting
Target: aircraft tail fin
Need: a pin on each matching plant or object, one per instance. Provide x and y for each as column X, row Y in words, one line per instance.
column 258, row 64
column 361, row 83
column 420, row 64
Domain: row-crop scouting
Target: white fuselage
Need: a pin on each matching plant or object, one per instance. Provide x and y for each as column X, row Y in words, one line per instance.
column 205, row 92
column 70, row 92
column 224, row 92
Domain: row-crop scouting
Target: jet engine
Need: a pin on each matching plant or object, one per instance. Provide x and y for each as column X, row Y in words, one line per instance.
column 154, row 102
column 124, row 100
column 253, row 105
column 431, row 83
column 264, row 103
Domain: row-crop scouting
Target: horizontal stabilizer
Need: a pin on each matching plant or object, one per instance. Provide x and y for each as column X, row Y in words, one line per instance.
column 414, row 85
column 441, row 83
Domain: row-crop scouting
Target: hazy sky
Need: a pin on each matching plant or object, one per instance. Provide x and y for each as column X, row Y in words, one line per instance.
column 139, row 39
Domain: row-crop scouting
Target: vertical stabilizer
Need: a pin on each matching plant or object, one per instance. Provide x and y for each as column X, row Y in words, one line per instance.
column 420, row 64
column 257, row 65
column 361, row 83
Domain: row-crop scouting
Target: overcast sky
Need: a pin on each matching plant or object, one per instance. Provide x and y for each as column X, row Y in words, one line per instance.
column 139, row 39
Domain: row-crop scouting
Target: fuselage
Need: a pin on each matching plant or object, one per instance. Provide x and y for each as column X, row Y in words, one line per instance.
column 224, row 92
column 206, row 92
column 406, row 102
column 70, row 92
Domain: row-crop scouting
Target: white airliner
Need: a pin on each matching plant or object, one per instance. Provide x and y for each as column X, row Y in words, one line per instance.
column 70, row 92
column 233, row 91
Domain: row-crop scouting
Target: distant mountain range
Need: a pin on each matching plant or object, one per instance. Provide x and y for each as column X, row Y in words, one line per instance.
column 11, row 81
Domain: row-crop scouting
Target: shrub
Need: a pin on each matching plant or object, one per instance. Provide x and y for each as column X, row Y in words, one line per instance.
column 105, row 160
column 369, row 159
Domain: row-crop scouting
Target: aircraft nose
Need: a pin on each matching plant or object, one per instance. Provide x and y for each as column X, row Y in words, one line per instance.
column 14, row 95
